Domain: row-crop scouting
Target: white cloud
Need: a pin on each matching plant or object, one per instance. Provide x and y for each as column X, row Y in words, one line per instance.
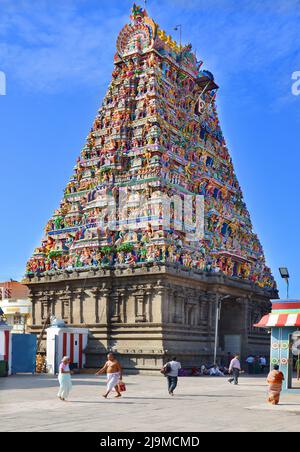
column 44, row 51
column 47, row 45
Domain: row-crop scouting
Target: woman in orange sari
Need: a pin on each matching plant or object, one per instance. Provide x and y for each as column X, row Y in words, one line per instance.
column 275, row 380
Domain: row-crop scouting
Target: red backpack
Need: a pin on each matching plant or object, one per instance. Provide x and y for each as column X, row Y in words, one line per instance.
column 166, row 369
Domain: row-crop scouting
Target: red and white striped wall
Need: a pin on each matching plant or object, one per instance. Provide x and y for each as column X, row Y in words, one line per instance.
column 5, row 345
column 69, row 342
column 72, row 344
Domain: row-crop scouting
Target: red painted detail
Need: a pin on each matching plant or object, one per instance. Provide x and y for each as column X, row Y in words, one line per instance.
column 65, row 344
column 72, row 348
column 283, row 306
column 80, row 351
column 283, row 318
column 263, row 322
column 6, row 346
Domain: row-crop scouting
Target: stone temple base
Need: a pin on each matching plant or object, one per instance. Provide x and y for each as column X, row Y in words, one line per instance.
column 151, row 313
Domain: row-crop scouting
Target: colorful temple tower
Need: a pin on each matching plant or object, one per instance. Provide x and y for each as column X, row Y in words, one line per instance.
column 153, row 232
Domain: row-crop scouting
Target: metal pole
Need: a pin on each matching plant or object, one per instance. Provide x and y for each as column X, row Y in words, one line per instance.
column 180, row 34
column 288, row 288
column 180, row 38
column 218, row 310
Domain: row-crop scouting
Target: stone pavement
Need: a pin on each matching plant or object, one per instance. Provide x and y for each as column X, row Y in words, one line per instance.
column 29, row 403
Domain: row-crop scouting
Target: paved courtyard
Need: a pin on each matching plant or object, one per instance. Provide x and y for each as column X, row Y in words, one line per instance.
column 29, row 403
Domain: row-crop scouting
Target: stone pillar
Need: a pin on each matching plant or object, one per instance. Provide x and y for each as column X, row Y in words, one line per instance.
column 33, row 308
column 52, row 300
column 211, row 298
column 172, row 305
column 211, row 323
column 203, row 308
column 160, row 304
column 70, row 296
column 77, row 311
column 122, row 304
column 168, row 304
column 179, row 308
column 58, row 311
column 34, row 303
column 103, row 305
column 95, row 294
column 148, row 303
column 38, row 311
column 115, row 308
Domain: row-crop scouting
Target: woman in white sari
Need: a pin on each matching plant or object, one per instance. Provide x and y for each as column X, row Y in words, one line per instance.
column 64, row 379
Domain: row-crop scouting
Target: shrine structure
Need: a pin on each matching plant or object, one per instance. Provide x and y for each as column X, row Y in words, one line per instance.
column 153, row 231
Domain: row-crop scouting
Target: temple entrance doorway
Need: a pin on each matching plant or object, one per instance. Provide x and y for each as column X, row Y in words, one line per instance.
column 232, row 320
column 232, row 344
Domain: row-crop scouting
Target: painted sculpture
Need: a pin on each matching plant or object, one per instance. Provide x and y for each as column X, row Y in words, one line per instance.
column 157, row 133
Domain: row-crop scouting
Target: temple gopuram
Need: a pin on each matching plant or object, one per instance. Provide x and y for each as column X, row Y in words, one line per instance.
column 153, row 233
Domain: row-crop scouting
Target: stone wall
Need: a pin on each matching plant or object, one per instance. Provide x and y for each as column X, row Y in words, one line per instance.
column 150, row 313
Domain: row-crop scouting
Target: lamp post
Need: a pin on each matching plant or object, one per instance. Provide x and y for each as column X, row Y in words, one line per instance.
column 179, row 27
column 218, row 317
column 284, row 273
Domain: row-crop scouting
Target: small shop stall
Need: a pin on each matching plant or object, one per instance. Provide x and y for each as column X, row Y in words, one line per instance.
column 284, row 324
column 66, row 341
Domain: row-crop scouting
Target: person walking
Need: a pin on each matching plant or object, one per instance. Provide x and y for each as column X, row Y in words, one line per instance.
column 275, row 380
column 113, row 370
column 64, row 378
column 172, row 371
column 235, row 370
column 263, row 364
column 250, row 362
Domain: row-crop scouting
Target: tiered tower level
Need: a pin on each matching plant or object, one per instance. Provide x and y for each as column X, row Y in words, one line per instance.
column 157, row 132
column 153, row 230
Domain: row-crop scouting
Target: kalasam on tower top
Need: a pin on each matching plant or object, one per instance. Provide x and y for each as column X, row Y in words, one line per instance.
column 132, row 253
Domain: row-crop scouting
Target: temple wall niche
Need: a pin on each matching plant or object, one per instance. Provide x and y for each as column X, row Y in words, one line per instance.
column 78, row 316
column 185, row 307
column 131, row 309
column 89, row 307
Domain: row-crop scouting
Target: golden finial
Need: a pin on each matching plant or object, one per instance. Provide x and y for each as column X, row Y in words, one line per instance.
column 162, row 35
column 169, row 39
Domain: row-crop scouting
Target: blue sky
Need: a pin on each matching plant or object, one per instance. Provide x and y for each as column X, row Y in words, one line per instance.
column 58, row 59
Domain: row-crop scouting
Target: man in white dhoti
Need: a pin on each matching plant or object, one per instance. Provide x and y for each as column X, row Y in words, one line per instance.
column 112, row 381
column 113, row 370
